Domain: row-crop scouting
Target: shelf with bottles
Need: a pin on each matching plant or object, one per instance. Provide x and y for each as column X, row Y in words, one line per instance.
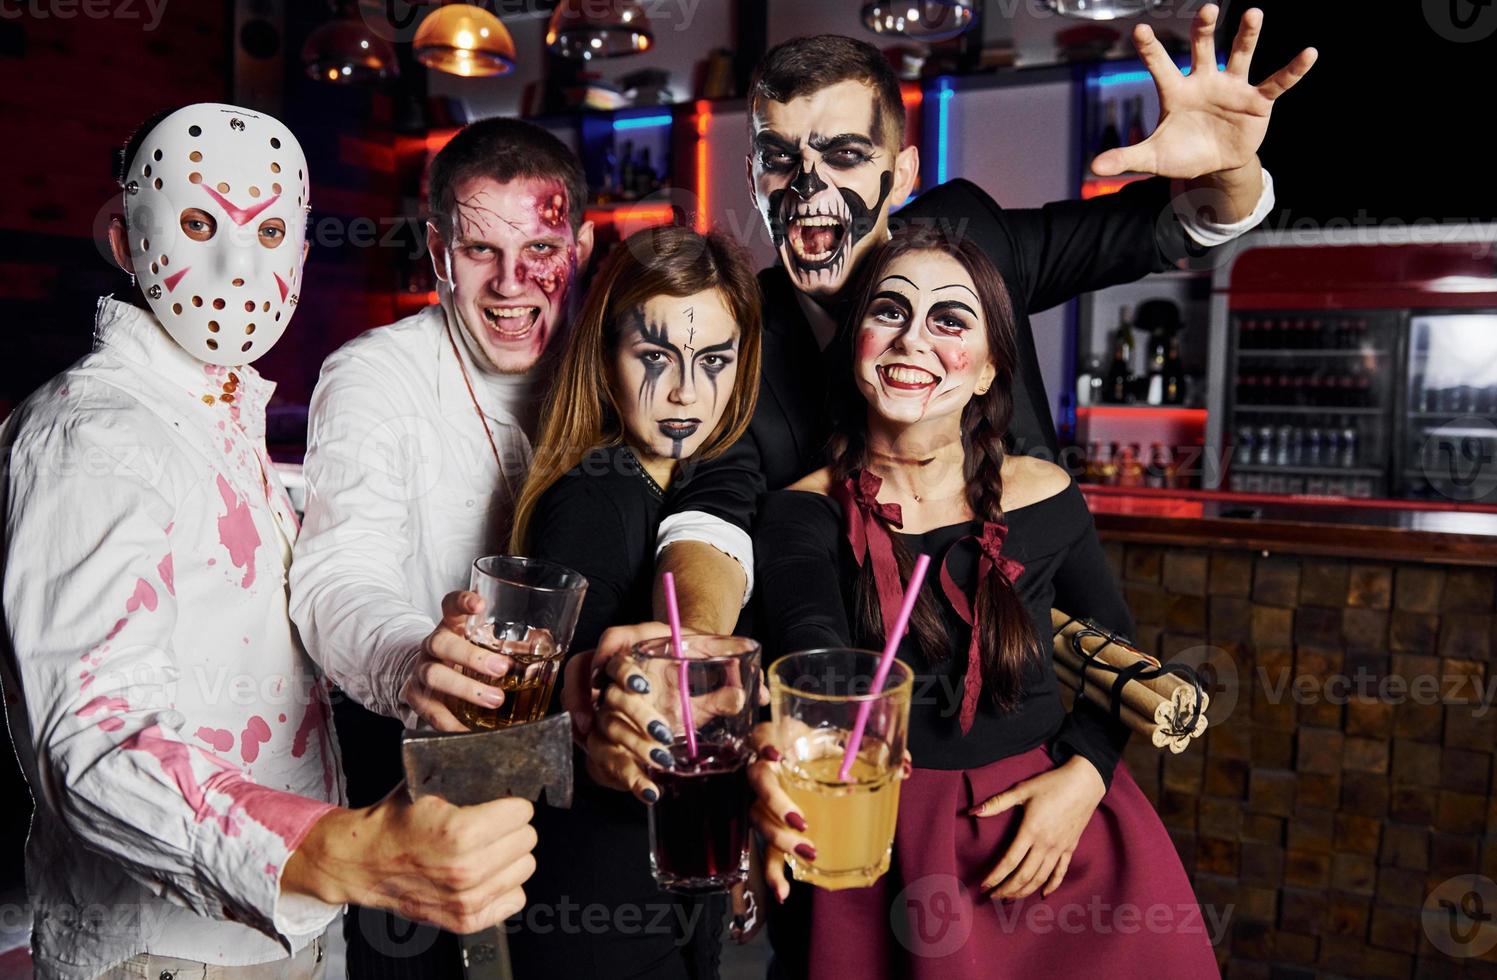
column 1315, row 389
column 1340, row 443
column 1275, row 333
column 1127, row 465
column 1153, row 357
column 1285, row 484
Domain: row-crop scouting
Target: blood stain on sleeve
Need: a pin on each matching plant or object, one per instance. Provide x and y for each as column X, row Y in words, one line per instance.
column 111, row 724
column 103, row 703
column 168, row 574
column 176, row 762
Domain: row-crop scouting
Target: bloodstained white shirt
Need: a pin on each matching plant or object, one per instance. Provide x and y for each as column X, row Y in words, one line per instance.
column 174, row 734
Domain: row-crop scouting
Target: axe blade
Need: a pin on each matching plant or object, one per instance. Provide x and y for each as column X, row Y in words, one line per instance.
column 466, row 768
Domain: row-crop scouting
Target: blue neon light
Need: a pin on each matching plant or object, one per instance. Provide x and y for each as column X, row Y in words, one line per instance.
column 943, row 118
column 1134, row 77
column 641, row 122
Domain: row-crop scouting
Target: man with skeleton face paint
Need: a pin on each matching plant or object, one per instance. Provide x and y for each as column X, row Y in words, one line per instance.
column 145, row 550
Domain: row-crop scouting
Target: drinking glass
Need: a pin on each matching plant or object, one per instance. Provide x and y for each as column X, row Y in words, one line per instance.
column 815, row 699
column 699, row 829
column 530, row 610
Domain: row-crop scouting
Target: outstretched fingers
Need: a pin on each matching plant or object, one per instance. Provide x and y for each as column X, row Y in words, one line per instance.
column 1203, row 39
column 1246, row 42
column 1289, row 76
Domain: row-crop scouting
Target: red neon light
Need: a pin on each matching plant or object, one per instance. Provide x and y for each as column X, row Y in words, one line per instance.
column 643, row 212
column 704, row 119
column 1142, row 411
column 910, row 94
column 438, row 138
column 1098, row 187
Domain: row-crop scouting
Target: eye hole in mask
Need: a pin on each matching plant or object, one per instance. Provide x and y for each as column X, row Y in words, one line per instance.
column 198, row 224
column 272, row 232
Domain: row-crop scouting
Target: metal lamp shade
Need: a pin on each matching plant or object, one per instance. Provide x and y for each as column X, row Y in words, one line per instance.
column 1102, row 9
column 462, row 39
column 347, row 52
column 920, row 20
column 587, row 29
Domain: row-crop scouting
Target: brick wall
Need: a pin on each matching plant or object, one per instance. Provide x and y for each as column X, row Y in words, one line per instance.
column 1325, row 811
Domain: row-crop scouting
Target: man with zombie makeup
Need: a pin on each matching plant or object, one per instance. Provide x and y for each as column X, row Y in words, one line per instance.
column 826, row 166
column 175, row 735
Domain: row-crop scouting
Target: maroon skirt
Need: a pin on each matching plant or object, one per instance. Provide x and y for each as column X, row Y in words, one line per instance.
column 1125, row 910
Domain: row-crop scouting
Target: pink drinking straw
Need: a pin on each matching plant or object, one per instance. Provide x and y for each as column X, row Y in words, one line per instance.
column 673, row 612
column 891, row 643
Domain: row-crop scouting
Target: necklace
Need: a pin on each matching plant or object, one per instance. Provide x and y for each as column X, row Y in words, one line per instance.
column 473, row 397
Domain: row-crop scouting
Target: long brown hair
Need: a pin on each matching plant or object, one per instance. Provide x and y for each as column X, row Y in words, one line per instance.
column 581, row 412
column 1007, row 640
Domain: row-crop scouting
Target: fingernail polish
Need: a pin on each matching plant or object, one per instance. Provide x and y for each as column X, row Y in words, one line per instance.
column 806, row 851
column 638, row 684
column 494, row 665
column 650, row 795
column 662, row 758
column 770, row 752
column 660, row 732
column 796, row 821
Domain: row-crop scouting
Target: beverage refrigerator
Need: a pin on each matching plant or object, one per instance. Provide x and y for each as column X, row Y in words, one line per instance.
column 1359, row 363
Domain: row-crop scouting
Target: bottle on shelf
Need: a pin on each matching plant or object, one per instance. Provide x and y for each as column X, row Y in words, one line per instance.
column 1349, row 455
column 1111, row 138
column 1120, row 374
column 1107, row 465
column 1136, row 132
column 1089, row 382
column 1158, row 354
column 1131, row 468
column 1174, row 373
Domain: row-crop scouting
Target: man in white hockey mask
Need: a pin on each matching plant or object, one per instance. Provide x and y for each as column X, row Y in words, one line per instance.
column 175, row 736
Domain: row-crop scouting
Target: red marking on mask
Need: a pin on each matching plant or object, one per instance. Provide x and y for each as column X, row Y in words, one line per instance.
column 102, row 703
column 170, row 282
column 175, row 759
column 281, row 718
column 236, row 532
column 168, row 575
column 281, row 285
column 221, row 739
column 144, row 595
column 237, row 214
column 255, row 734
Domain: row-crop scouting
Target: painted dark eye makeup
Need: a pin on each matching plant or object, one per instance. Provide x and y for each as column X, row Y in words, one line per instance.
column 846, row 159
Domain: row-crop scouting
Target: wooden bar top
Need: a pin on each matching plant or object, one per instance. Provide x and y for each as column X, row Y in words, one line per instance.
column 1420, row 531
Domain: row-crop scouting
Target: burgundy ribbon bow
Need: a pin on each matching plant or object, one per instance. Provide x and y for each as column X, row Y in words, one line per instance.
column 990, row 543
column 868, row 523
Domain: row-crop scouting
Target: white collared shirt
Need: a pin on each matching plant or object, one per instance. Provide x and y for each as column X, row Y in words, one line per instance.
column 403, row 493
column 175, row 736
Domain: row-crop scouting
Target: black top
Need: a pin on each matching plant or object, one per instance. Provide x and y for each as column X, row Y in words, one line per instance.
column 600, row 518
column 1046, row 256
column 807, row 573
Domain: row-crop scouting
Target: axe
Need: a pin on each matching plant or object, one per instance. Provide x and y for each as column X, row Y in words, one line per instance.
column 466, row 768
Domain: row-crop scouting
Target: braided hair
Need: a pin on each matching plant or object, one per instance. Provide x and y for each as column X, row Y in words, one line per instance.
column 1007, row 643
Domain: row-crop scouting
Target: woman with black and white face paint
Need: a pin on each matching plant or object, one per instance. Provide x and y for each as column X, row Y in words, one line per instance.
column 661, row 370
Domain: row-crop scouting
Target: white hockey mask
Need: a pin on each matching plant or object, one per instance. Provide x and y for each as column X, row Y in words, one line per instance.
column 216, row 203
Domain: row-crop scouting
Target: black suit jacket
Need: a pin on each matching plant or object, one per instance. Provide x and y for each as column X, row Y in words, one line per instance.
column 1046, row 256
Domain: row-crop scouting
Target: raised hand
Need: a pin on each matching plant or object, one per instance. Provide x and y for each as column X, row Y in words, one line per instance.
column 1211, row 120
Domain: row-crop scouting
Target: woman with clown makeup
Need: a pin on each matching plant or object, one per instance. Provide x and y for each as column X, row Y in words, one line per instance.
column 1012, row 804
column 176, row 737
column 661, row 372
